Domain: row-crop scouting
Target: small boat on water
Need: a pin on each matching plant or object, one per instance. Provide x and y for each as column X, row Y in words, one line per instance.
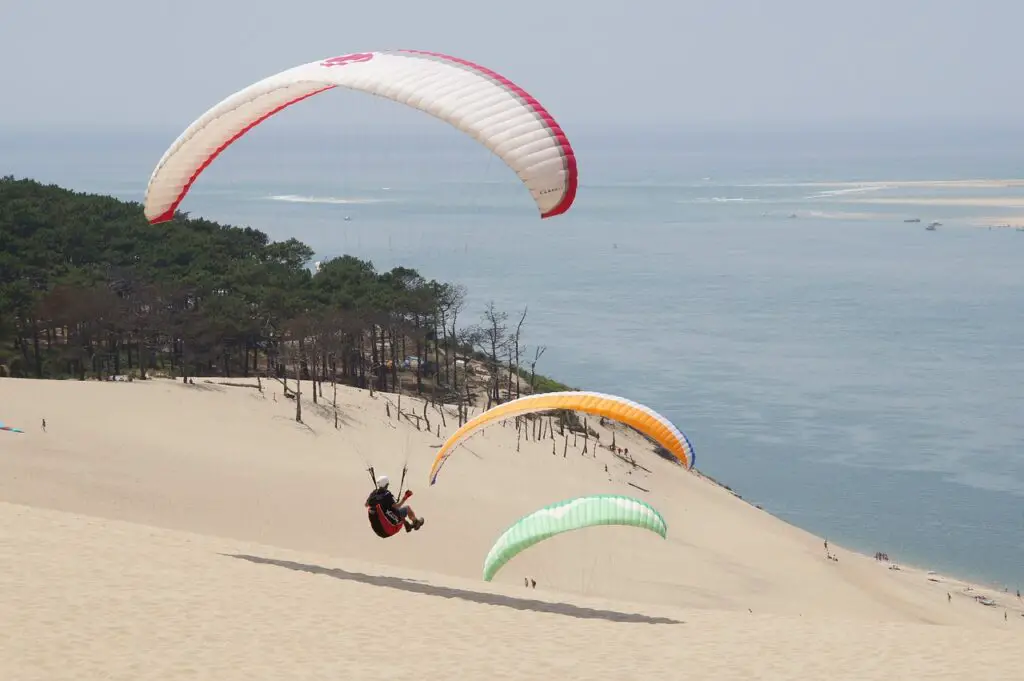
column 931, row 226
column 912, row 220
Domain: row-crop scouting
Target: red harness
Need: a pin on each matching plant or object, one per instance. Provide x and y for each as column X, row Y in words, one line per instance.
column 386, row 524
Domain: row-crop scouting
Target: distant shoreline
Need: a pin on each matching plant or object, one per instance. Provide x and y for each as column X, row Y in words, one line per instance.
column 964, row 579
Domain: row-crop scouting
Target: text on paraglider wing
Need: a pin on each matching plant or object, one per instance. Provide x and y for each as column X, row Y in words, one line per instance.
column 353, row 58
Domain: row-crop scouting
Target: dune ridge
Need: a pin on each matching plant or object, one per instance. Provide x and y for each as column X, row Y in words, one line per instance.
column 162, row 530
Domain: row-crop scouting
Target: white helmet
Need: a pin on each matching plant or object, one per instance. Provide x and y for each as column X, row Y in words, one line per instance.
column 383, row 481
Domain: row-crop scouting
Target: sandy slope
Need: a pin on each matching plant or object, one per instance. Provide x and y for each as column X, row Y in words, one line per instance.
column 231, row 468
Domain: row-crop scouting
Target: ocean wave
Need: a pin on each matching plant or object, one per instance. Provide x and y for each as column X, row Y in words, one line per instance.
column 849, row 190
column 297, row 198
column 719, row 199
column 848, row 215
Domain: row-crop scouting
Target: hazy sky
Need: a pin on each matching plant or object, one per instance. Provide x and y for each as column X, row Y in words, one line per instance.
column 594, row 63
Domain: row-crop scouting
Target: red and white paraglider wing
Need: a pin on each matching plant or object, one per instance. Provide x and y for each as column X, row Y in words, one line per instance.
column 494, row 111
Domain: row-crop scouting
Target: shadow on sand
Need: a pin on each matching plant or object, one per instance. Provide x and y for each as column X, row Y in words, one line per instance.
column 484, row 598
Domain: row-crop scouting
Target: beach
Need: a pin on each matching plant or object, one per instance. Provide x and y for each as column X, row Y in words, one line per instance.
column 164, row 530
column 978, row 183
column 967, row 202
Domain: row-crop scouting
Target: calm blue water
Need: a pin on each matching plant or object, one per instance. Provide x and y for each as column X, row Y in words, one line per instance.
column 852, row 373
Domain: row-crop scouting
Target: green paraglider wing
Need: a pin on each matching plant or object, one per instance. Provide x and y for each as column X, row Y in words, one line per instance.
column 569, row 515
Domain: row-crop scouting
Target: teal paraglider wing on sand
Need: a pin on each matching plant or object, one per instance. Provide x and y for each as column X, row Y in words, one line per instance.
column 569, row 515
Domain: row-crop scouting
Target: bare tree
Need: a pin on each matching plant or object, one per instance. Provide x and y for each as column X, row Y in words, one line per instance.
column 298, row 388
column 513, row 351
column 492, row 342
column 299, row 330
column 533, row 365
column 469, row 337
column 448, row 300
column 455, row 303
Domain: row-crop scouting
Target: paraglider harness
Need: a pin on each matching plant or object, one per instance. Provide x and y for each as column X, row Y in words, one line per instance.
column 386, row 522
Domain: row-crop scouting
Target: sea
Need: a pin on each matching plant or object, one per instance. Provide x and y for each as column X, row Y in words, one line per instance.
column 846, row 369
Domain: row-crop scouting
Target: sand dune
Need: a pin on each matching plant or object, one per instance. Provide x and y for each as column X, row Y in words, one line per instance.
column 159, row 530
column 998, row 221
column 959, row 201
column 994, row 183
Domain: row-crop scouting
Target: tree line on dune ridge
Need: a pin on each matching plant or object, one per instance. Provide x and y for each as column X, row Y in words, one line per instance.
column 88, row 289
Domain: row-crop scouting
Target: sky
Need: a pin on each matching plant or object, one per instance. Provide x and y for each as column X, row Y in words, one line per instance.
column 595, row 64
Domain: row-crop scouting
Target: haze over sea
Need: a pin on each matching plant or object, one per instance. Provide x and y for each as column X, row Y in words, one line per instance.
column 850, row 372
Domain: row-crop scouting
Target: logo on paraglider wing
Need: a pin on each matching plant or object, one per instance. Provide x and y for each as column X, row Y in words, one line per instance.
column 344, row 59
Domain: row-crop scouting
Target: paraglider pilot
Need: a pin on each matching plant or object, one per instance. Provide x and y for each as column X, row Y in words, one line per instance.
column 383, row 496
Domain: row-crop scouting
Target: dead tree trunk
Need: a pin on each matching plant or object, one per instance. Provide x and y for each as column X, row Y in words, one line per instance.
column 298, row 392
column 533, row 367
column 514, row 355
